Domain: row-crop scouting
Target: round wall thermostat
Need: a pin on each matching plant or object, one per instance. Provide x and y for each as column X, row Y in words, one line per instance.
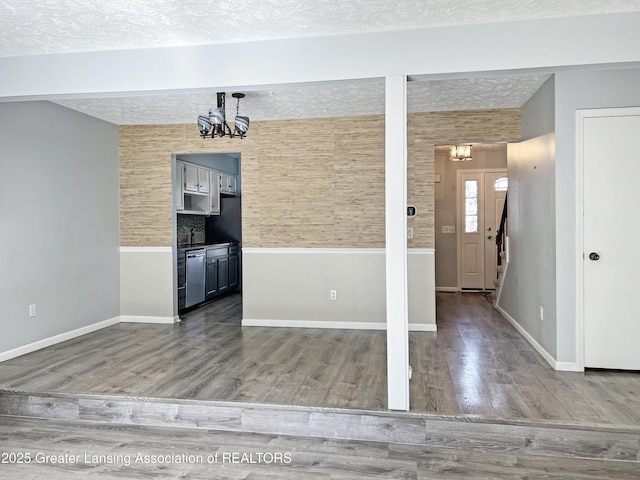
column 411, row 211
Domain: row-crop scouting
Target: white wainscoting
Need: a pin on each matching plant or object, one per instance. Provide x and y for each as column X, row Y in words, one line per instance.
column 146, row 284
column 290, row 287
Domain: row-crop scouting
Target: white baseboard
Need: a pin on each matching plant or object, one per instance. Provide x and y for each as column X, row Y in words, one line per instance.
column 147, row 319
column 314, row 251
column 47, row 342
column 546, row 355
column 423, row 327
column 337, row 251
column 568, row 367
column 258, row 322
column 146, row 249
column 564, row 366
column 447, row 289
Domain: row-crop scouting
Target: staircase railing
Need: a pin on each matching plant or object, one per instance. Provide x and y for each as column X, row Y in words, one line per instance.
column 502, row 231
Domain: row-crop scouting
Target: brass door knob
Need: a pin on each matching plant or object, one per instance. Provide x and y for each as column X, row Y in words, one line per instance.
column 594, row 256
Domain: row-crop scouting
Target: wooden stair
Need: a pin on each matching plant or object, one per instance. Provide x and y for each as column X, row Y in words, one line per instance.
column 541, row 438
column 498, row 281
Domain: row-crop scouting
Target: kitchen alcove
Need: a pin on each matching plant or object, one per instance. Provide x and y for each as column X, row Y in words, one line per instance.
column 199, row 230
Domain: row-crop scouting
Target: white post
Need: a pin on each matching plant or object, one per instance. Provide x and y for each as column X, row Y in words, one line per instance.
column 396, row 241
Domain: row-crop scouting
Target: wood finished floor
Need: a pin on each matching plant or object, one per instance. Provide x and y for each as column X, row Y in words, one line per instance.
column 476, row 364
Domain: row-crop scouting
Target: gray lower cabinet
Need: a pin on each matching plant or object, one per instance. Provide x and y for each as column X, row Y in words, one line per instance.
column 221, row 270
column 223, row 274
column 211, row 278
column 233, row 271
column 182, row 279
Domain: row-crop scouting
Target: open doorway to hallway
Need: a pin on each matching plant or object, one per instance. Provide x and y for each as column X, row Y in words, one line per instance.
column 460, row 262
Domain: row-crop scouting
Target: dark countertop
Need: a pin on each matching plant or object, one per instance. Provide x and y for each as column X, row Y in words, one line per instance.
column 215, row 243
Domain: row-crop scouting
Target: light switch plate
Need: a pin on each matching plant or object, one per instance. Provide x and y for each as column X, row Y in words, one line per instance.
column 448, row 229
column 410, row 233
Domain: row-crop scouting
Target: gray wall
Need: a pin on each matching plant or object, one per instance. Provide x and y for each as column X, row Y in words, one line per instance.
column 578, row 90
column 59, row 207
column 538, row 114
column 529, row 281
column 484, row 156
column 227, row 225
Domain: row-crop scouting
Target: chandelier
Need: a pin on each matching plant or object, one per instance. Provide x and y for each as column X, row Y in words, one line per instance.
column 215, row 125
column 461, row 153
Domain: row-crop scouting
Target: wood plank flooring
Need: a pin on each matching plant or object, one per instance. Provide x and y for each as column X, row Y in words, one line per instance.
column 476, row 364
column 108, row 451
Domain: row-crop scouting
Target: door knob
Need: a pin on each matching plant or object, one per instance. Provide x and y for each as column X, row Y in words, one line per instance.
column 594, row 256
column 489, row 237
column 489, row 229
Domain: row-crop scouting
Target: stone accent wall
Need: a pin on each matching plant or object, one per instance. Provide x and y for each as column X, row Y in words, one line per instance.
column 425, row 130
column 305, row 183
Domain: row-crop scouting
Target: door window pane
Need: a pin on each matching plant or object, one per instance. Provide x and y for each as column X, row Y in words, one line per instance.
column 471, row 189
column 501, row 184
column 471, row 224
column 471, row 206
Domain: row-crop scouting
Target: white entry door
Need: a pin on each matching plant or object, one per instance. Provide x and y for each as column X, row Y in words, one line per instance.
column 611, row 264
column 481, row 195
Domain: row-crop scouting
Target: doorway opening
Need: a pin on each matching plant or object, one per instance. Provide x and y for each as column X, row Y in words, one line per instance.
column 207, row 223
column 465, row 255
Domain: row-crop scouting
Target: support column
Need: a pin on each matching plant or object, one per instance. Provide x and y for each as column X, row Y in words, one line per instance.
column 396, row 241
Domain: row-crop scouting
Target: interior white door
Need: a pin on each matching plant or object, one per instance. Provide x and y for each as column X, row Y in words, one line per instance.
column 479, row 210
column 611, row 263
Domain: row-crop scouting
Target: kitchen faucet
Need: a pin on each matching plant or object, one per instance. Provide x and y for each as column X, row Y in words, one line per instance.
column 191, row 243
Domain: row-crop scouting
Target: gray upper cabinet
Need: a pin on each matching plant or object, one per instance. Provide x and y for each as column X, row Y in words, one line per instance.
column 197, row 189
column 196, row 179
column 178, row 186
column 214, row 193
column 228, row 184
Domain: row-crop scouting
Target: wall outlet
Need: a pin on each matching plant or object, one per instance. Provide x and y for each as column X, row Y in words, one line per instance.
column 333, row 294
column 32, row 310
column 410, row 232
column 541, row 313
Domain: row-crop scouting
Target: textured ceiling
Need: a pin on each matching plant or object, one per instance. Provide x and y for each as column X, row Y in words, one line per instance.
column 312, row 102
column 30, row 27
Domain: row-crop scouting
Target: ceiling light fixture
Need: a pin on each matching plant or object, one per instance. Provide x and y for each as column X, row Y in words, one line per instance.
column 215, row 125
column 461, row 153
